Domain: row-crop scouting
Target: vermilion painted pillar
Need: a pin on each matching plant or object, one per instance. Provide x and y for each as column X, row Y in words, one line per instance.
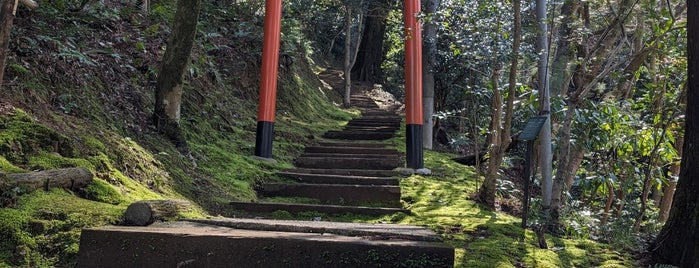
column 268, row 85
column 413, row 85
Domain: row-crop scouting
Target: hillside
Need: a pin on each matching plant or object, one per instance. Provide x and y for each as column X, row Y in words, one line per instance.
column 78, row 92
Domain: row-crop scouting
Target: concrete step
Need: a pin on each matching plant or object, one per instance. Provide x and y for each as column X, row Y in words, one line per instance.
column 193, row 244
column 364, row 123
column 350, row 150
column 358, row 135
column 371, row 128
column 339, row 155
column 339, row 179
column 387, row 195
column 378, row 118
column 354, row 144
column 264, row 207
column 348, row 172
column 348, row 163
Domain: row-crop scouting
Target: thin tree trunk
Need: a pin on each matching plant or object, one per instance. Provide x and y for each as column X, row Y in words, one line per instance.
column 487, row 191
column 7, row 16
column 512, row 79
column 429, row 60
column 360, row 30
column 168, row 90
column 669, row 189
column 348, row 53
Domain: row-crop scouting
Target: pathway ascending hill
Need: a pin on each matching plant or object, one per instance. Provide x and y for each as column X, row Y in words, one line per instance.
column 352, row 171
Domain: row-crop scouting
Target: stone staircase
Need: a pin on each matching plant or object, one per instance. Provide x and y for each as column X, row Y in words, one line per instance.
column 350, row 171
column 353, row 167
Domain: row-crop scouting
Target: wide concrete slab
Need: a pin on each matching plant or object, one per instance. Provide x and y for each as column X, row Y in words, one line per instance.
column 358, row 135
column 188, row 244
column 354, row 144
column 384, row 230
column 348, row 163
column 350, row 150
column 269, row 207
column 348, row 172
column 395, row 157
column 339, row 179
column 386, row 195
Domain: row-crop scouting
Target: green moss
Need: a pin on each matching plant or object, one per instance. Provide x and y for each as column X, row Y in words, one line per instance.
column 44, row 160
column 8, row 167
column 20, row 138
column 101, row 191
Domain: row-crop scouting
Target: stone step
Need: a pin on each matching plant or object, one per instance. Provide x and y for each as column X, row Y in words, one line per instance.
column 358, row 135
column 378, row 118
column 348, row 172
column 391, row 129
column 387, row 195
column 366, row 123
column 339, row 179
column 348, row 163
column 265, row 207
column 350, row 150
column 192, row 244
column 354, row 144
column 340, row 155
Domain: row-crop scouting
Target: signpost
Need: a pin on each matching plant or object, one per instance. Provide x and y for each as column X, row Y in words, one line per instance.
column 529, row 133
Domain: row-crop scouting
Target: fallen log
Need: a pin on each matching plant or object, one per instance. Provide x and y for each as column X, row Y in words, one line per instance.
column 66, row 178
column 146, row 212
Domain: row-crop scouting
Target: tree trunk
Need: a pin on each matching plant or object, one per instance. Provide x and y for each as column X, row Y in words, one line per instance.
column 348, row 53
column 368, row 65
column 7, row 15
column 487, row 191
column 561, row 69
column 429, row 59
column 545, row 156
column 66, row 178
column 669, row 189
column 678, row 241
column 168, row 90
column 143, row 213
column 360, row 29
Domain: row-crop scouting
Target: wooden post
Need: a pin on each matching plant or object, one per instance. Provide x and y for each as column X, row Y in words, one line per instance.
column 143, row 213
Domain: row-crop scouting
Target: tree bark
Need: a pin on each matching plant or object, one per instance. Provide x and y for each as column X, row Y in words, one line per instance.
column 348, row 53
column 168, row 90
column 143, row 213
column 7, row 16
column 367, row 68
column 66, row 178
column 678, row 241
column 669, row 189
column 429, row 59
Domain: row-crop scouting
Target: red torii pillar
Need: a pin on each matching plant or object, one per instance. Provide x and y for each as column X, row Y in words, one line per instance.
column 413, row 85
column 268, row 84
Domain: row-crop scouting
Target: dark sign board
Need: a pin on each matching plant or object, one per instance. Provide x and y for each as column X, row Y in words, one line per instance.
column 532, row 128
